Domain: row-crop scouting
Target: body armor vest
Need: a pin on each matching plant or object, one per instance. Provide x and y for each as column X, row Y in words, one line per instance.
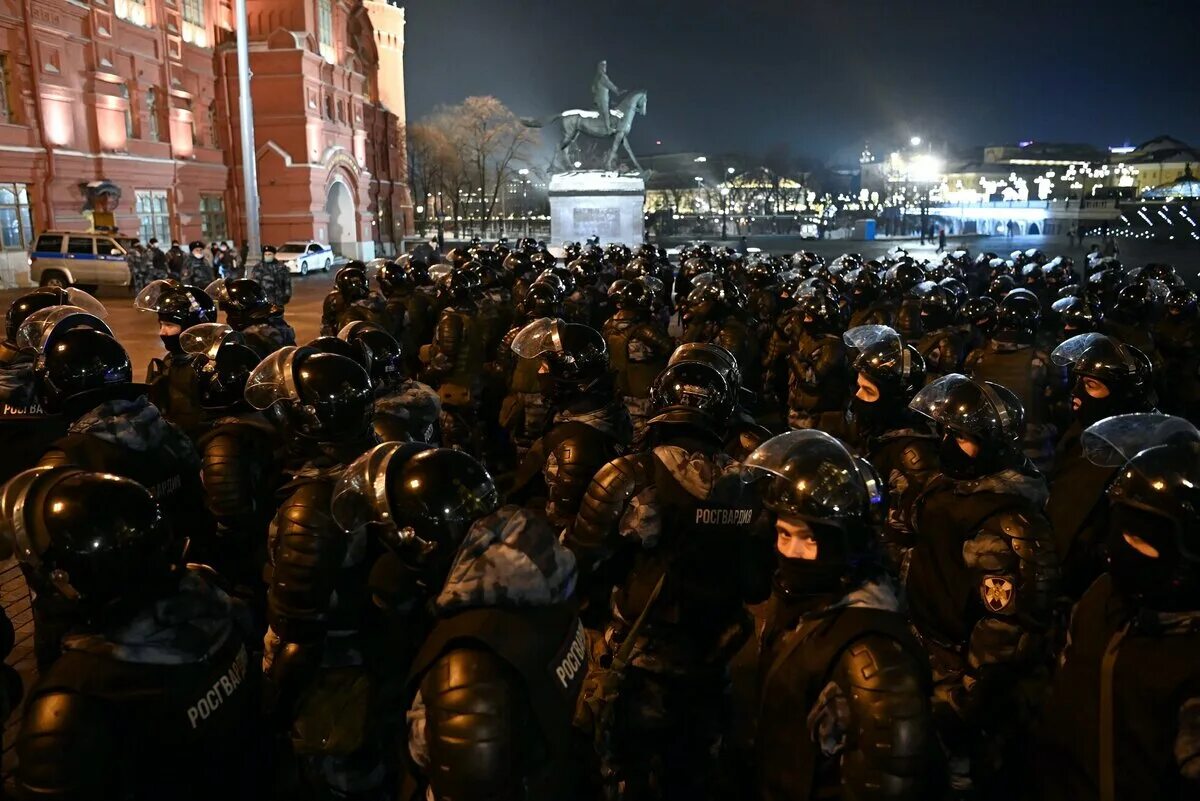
column 1136, row 680
column 797, row 668
column 547, row 648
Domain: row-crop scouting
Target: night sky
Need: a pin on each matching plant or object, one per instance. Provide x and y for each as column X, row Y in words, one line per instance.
column 820, row 76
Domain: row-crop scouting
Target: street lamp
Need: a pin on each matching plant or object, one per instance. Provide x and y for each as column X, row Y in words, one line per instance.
column 724, row 212
column 524, row 173
column 925, row 169
column 915, row 141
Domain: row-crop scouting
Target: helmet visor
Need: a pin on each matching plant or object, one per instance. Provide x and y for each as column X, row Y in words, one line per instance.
column 360, row 496
column 865, row 336
column 1115, row 440
column 823, row 480
column 218, row 290
column 39, row 329
column 82, row 300
column 205, row 338
column 539, row 337
column 273, row 380
column 150, row 298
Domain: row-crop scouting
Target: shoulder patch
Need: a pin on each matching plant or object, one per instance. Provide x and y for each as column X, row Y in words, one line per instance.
column 997, row 593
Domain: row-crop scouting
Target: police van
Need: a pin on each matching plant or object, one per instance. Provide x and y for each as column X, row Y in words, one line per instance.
column 86, row 259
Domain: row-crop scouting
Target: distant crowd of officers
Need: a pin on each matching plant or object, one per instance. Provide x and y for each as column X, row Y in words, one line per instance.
column 611, row 525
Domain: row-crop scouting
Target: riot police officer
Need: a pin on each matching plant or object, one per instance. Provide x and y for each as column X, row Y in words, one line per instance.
column 1012, row 359
column 715, row 311
column 1108, row 378
column 590, row 427
column 456, row 359
column 525, row 412
column 899, row 443
column 318, row 603
column 408, row 290
column 171, row 380
column 405, row 409
column 196, row 269
column 505, row 640
column 837, row 654
column 818, row 375
column 671, row 527
column 350, row 300
column 640, row 348
column 981, row 578
column 248, row 310
column 25, row 425
column 84, row 375
column 942, row 343
column 741, row 433
column 274, row 277
column 153, row 674
column 869, row 306
column 1178, row 336
column 1121, row 722
column 241, row 458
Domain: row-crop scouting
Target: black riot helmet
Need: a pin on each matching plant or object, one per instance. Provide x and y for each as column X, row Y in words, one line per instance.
column 324, row 397
column 463, row 285
column 1158, row 271
column 707, row 301
column 1181, row 302
column 1154, row 519
column 722, row 361
column 896, row 371
column 384, row 355
column 1018, row 316
column 811, row 477
column 78, row 356
column 419, row 500
column 1000, row 286
column 895, row 368
column 574, row 357
column 243, row 301
column 865, row 286
column 939, row 306
column 543, row 299
column 93, row 539
column 1075, row 315
column 691, row 393
column 987, row 414
column 980, row 313
column 180, row 304
column 1125, row 372
column 1137, row 304
column 393, row 278
column 903, row 277
column 351, row 281
column 332, row 344
column 44, row 298
column 635, row 296
column 820, row 313
column 222, row 364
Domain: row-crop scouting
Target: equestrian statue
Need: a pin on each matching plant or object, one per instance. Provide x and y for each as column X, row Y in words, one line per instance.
column 600, row 123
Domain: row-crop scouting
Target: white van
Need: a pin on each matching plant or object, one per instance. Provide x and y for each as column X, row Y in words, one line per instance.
column 86, row 259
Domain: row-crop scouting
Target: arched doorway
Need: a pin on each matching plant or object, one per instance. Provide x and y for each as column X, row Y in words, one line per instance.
column 1033, row 229
column 343, row 235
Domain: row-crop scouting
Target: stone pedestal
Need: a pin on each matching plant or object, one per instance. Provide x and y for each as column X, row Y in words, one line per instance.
column 596, row 203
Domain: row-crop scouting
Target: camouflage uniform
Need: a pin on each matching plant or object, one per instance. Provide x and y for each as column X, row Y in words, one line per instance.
column 411, row 412
column 159, row 268
column 275, row 280
column 197, row 271
column 270, row 335
column 139, row 273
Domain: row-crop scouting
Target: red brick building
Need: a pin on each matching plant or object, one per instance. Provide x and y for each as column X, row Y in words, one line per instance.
column 144, row 93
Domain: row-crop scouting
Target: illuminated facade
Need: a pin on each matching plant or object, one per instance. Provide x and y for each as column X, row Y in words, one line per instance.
column 144, row 94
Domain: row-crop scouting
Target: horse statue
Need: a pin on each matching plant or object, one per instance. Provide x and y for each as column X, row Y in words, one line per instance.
column 578, row 122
